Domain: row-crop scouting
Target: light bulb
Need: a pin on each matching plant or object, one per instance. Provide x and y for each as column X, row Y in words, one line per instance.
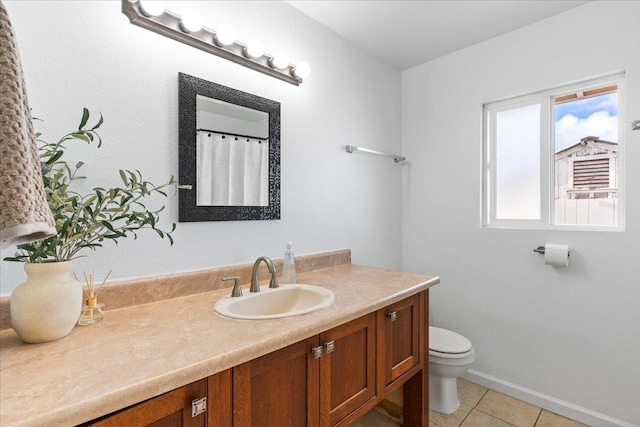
column 280, row 60
column 225, row 35
column 302, row 70
column 191, row 21
column 152, row 7
column 254, row 49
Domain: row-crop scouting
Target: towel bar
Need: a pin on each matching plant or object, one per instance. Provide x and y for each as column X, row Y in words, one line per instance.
column 353, row 148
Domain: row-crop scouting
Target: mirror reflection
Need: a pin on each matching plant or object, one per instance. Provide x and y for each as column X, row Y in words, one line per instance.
column 232, row 152
column 229, row 153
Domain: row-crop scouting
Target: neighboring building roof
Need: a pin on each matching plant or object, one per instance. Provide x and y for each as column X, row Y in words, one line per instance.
column 584, row 142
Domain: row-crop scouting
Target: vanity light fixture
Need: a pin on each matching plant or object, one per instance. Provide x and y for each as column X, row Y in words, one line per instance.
column 302, row 70
column 225, row 36
column 191, row 21
column 152, row 8
column 254, row 49
column 189, row 29
column 280, row 60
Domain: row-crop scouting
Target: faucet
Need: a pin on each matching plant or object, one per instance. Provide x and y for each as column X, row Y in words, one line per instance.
column 255, row 286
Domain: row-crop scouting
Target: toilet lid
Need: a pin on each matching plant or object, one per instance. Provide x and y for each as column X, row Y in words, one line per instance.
column 445, row 341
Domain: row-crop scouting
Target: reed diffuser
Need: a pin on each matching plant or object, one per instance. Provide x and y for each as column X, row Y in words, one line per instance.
column 92, row 311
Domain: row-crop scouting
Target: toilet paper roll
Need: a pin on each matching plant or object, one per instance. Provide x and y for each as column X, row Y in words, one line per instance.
column 557, row 255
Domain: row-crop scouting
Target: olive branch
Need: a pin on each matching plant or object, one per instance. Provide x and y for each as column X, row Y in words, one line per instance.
column 86, row 221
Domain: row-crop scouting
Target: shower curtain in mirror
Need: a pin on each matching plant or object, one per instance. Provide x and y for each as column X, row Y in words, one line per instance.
column 232, row 171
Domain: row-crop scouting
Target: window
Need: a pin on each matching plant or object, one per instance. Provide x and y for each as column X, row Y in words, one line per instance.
column 553, row 159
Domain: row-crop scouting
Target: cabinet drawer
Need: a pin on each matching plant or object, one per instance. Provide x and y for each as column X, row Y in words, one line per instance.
column 170, row 409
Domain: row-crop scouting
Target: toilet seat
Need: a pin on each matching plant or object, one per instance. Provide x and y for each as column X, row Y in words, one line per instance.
column 448, row 344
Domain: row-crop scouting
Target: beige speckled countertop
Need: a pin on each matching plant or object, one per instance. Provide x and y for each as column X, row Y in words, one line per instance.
column 140, row 352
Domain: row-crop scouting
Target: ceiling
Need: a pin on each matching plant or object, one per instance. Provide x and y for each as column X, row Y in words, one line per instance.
column 408, row 33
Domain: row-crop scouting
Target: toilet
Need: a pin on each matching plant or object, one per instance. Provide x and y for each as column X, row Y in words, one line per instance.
column 450, row 355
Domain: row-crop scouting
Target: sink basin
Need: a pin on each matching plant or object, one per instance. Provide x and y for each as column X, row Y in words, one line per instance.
column 285, row 301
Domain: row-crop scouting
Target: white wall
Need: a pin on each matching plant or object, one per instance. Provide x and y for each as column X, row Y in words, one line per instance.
column 78, row 54
column 571, row 334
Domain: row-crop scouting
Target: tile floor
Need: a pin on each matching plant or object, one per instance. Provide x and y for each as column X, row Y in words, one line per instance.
column 481, row 407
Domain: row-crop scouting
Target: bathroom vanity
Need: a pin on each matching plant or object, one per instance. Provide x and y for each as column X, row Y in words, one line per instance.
column 175, row 362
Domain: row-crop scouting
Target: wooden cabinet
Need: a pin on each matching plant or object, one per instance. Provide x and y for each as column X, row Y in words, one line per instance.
column 278, row 389
column 359, row 363
column 328, row 380
column 399, row 340
column 172, row 409
column 402, row 336
column 296, row 386
column 348, row 371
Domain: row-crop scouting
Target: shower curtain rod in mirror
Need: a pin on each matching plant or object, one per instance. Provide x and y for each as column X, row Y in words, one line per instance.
column 231, row 134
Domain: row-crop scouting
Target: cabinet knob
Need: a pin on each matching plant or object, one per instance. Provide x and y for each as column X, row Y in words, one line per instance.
column 392, row 316
column 317, row 352
column 330, row 346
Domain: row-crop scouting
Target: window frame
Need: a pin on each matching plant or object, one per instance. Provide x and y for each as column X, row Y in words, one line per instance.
column 546, row 99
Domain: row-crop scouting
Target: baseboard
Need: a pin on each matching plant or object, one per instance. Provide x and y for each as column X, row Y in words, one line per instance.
column 560, row 407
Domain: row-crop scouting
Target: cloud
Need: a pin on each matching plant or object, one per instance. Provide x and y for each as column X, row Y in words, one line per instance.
column 583, row 108
column 571, row 129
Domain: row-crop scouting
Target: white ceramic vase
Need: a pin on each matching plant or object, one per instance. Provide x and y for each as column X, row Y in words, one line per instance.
column 47, row 306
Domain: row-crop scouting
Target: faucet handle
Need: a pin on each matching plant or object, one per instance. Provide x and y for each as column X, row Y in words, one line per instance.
column 237, row 290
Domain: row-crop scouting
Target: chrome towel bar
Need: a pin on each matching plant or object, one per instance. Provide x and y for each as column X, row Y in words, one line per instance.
column 354, row 148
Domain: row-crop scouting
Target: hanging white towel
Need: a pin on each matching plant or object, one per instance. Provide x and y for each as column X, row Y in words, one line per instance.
column 24, row 212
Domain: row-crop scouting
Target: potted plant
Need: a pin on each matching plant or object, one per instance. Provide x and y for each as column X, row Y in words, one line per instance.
column 47, row 305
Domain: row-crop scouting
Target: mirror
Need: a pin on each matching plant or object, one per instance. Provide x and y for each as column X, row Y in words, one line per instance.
column 229, row 153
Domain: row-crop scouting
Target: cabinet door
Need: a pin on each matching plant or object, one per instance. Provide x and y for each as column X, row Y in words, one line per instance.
column 220, row 401
column 171, row 409
column 347, row 369
column 278, row 389
column 399, row 339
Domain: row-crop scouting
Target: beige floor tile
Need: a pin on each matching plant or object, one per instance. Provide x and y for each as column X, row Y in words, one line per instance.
column 549, row 419
column 450, row 420
column 480, row 419
column 506, row 408
column 470, row 393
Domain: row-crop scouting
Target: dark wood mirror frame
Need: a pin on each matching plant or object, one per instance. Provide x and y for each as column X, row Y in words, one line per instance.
column 189, row 211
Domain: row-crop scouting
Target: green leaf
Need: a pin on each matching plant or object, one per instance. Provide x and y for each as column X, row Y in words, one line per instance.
column 81, row 136
column 109, row 226
column 99, row 123
column 54, row 158
column 85, row 118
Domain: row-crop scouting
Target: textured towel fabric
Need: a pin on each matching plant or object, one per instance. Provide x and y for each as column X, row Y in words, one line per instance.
column 24, row 213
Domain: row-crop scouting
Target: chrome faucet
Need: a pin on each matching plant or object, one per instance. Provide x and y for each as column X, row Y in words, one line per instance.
column 255, row 286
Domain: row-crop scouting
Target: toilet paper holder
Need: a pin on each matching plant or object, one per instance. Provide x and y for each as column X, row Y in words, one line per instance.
column 541, row 250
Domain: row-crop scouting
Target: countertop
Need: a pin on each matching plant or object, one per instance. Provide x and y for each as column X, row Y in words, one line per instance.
column 143, row 351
